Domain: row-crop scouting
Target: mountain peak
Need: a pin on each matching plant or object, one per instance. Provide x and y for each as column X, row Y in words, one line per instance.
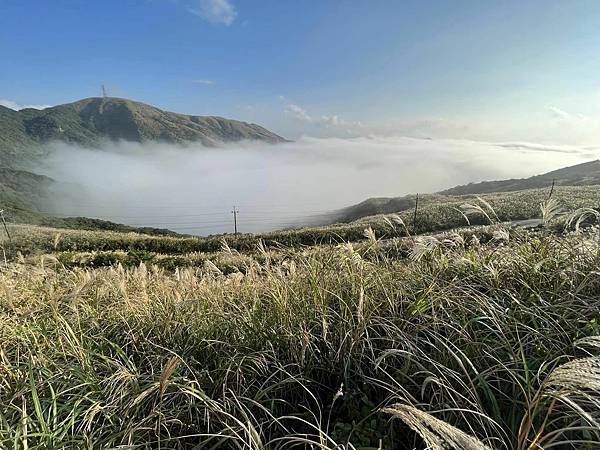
column 91, row 121
column 123, row 119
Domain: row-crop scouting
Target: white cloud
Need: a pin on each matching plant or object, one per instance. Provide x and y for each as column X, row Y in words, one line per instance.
column 220, row 12
column 572, row 128
column 559, row 113
column 17, row 106
column 333, row 122
column 205, row 82
column 298, row 113
column 529, row 146
column 564, row 121
column 562, row 114
column 552, row 125
column 188, row 188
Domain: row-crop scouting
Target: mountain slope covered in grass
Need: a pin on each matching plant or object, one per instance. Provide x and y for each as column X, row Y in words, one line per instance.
column 22, row 189
column 25, row 196
column 579, row 175
column 92, row 121
column 586, row 174
column 25, row 135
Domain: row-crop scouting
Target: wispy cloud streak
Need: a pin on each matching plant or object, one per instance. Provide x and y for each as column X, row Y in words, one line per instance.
column 218, row 12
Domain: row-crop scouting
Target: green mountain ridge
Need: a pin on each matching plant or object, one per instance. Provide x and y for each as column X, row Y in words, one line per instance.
column 585, row 174
column 91, row 121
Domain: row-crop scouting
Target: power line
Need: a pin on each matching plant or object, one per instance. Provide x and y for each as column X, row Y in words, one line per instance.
column 214, row 213
column 256, row 215
column 221, row 222
column 215, row 220
column 195, row 205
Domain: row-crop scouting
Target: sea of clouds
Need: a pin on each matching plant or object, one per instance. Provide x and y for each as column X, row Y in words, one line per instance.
column 192, row 189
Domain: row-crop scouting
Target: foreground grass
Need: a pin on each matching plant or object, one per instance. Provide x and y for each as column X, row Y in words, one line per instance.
column 468, row 345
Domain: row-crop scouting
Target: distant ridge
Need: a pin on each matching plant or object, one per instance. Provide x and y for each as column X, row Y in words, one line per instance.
column 93, row 120
column 585, row 174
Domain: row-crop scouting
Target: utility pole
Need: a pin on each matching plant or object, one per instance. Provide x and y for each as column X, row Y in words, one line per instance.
column 103, row 91
column 235, row 212
column 415, row 214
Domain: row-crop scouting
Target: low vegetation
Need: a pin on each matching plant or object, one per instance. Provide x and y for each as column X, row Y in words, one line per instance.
column 486, row 337
column 584, row 174
column 435, row 209
column 436, row 214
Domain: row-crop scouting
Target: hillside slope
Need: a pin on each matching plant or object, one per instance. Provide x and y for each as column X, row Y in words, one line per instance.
column 93, row 120
column 585, row 174
column 89, row 122
column 24, row 197
column 23, row 190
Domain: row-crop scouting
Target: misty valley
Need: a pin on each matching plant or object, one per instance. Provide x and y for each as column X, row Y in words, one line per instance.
column 299, row 225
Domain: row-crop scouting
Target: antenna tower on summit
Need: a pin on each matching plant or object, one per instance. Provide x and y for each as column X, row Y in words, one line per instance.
column 103, row 91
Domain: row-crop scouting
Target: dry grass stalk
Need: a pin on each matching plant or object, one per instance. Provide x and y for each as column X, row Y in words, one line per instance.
column 437, row 434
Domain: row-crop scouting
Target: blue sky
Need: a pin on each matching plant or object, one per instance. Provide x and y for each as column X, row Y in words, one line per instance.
column 487, row 70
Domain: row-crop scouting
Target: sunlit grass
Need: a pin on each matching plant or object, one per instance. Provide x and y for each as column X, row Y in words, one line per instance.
column 487, row 338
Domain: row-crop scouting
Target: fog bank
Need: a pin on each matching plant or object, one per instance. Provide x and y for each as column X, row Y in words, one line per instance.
column 191, row 189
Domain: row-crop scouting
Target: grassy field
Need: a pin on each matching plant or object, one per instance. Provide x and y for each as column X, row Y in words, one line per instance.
column 436, row 213
column 486, row 337
column 509, row 205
